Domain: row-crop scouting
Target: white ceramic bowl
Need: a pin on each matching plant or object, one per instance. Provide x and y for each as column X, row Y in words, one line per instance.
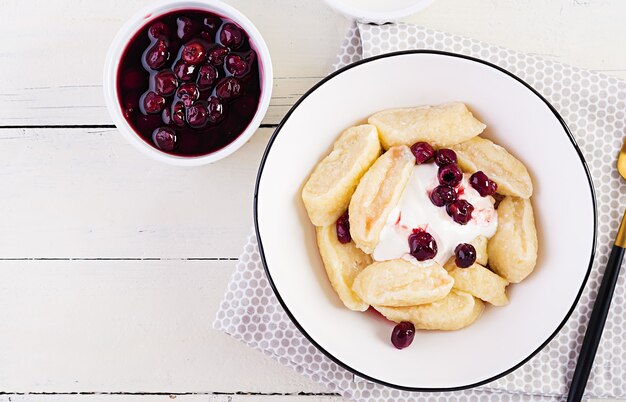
column 143, row 17
column 518, row 118
column 378, row 11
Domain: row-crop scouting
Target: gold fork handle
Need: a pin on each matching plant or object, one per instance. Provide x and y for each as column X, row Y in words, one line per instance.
column 598, row 317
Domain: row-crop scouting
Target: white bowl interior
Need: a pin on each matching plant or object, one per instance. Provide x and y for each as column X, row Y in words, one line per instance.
column 517, row 119
column 139, row 20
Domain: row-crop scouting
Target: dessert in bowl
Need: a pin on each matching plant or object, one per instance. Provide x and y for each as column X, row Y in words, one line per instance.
column 556, row 185
column 188, row 82
column 418, row 224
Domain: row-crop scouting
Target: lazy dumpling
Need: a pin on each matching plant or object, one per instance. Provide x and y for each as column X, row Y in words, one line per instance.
column 327, row 193
column 400, row 283
column 513, row 249
column 482, row 283
column 441, row 125
column 496, row 162
column 455, row 311
column 378, row 192
column 343, row 262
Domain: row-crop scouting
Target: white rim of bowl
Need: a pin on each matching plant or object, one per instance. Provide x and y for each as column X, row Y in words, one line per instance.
column 304, row 332
column 130, row 28
column 365, row 15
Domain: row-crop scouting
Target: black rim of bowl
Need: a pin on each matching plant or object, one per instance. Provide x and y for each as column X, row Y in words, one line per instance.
column 286, row 308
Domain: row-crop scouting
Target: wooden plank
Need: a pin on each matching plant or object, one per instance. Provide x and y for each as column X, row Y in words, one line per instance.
column 86, row 193
column 54, row 82
column 68, row 105
column 193, row 398
column 113, row 398
column 286, row 398
column 558, row 30
column 174, row 398
column 59, row 82
column 126, row 326
column 144, row 326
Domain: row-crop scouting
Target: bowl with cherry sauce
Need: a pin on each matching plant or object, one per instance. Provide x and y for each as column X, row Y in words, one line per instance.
column 188, row 82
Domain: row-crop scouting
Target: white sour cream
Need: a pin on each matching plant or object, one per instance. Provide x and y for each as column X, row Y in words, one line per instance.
column 416, row 211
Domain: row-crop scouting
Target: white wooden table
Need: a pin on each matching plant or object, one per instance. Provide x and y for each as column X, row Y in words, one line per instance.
column 111, row 265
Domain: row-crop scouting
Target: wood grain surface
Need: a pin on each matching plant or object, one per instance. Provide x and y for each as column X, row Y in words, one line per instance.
column 112, row 266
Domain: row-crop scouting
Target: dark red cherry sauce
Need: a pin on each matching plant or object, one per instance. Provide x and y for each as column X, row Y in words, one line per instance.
column 189, row 82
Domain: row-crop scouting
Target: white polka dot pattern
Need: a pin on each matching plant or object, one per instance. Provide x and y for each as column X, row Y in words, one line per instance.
column 593, row 105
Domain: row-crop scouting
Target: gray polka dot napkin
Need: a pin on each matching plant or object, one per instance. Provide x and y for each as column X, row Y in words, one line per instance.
column 594, row 107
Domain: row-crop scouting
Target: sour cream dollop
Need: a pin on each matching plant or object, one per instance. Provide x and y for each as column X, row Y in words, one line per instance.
column 415, row 210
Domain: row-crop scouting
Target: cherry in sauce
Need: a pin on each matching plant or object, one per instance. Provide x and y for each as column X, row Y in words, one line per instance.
column 192, row 76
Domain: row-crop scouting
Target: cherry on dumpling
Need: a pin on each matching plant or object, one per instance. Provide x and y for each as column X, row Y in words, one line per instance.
column 460, row 211
column 342, row 227
column 422, row 246
column 445, row 156
column 442, row 195
column 422, row 151
column 465, row 255
column 449, row 175
column 483, row 184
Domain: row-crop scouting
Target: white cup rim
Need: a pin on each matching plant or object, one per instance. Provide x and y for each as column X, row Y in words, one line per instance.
column 390, row 14
column 128, row 30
